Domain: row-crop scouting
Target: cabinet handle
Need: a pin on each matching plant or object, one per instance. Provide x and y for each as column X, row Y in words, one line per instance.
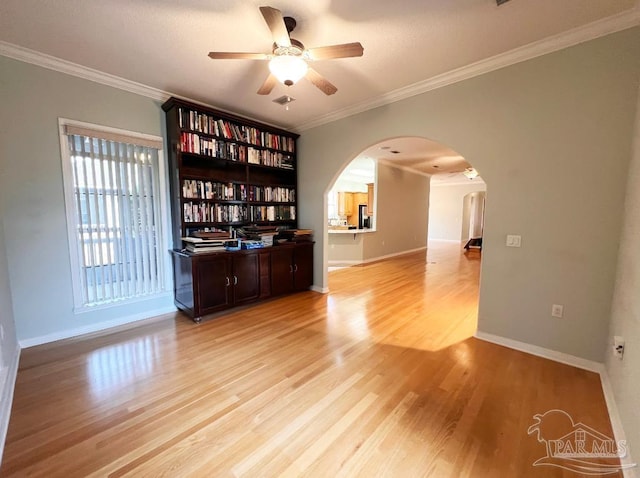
column 228, row 282
column 295, row 268
column 291, row 269
column 235, row 280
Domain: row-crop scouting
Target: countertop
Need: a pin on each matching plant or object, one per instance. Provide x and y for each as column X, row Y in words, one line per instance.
column 350, row 231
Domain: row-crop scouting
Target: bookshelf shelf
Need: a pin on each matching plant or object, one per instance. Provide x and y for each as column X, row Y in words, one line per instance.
column 217, row 158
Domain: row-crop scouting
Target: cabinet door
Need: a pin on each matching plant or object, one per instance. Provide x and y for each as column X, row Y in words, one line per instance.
column 213, row 283
column 348, row 204
column 303, row 266
column 246, row 277
column 345, row 204
column 281, row 270
column 370, row 199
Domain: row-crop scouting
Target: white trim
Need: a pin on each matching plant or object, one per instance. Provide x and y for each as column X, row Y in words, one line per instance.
column 605, row 26
column 69, row 202
column 90, row 328
column 322, row 290
column 395, row 254
column 88, row 309
column 343, row 263
column 614, row 418
column 6, row 398
column 375, row 259
column 567, row 359
column 591, row 31
column 50, row 62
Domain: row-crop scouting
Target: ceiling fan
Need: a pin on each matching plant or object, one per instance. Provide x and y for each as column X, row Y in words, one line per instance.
column 289, row 57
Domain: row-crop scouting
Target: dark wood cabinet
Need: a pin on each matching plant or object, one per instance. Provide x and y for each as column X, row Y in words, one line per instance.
column 282, row 270
column 303, row 266
column 212, row 280
column 292, row 268
column 208, row 283
column 246, row 277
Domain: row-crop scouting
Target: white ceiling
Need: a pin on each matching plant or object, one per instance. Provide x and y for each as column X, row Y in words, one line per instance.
column 417, row 154
column 163, row 44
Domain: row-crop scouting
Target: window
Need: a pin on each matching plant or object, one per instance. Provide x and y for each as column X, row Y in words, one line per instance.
column 113, row 202
column 332, row 205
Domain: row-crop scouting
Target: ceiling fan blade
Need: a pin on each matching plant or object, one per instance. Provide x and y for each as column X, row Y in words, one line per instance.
column 268, row 85
column 229, row 55
column 346, row 50
column 321, row 82
column 276, row 24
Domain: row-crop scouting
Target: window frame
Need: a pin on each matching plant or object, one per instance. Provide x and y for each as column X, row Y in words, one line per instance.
column 71, row 217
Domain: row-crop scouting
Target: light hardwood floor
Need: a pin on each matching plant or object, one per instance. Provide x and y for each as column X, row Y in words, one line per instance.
column 380, row 377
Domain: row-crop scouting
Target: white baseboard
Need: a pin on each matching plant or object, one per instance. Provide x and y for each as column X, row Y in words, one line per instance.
column 614, row 418
column 344, row 263
column 395, row 254
column 374, row 259
column 6, row 398
column 88, row 329
column 322, row 290
column 542, row 352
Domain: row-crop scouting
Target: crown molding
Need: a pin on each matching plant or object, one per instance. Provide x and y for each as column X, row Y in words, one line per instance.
column 43, row 60
column 63, row 66
column 591, row 31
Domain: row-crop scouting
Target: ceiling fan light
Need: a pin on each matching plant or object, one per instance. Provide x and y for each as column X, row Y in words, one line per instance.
column 288, row 69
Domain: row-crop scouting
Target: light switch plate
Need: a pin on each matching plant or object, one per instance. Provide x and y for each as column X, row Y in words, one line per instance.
column 513, row 240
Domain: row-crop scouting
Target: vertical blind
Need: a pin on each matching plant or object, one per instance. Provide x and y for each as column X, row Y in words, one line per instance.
column 117, row 215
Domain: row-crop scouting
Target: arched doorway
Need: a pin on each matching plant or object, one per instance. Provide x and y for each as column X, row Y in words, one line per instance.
column 398, row 245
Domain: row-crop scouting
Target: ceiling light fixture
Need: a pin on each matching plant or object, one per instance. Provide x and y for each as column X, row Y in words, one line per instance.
column 287, row 68
column 470, row 173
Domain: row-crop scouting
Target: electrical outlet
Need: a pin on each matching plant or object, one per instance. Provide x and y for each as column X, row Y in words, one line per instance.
column 618, row 347
column 557, row 310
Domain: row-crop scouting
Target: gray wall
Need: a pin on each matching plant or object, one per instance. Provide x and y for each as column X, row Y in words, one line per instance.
column 552, row 137
column 346, row 249
column 401, row 220
column 625, row 315
column 446, row 209
column 31, row 194
column 402, row 210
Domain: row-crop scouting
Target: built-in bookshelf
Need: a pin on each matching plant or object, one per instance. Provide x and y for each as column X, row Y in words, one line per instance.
column 227, row 171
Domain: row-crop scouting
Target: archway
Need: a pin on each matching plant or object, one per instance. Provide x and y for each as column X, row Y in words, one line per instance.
column 404, row 165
